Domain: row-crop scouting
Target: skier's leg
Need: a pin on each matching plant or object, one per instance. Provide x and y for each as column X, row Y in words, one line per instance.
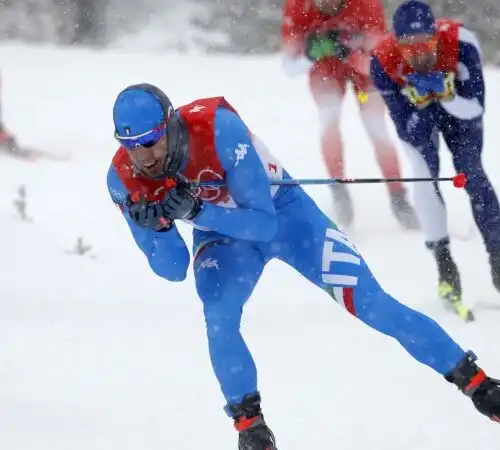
column 328, row 81
column 226, row 274
column 465, row 142
column 372, row 111
column 432, row 215
column 333, row 263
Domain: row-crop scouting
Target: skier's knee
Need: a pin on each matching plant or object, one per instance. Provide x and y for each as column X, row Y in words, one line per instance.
column 222, row 319
column 218, row 294
column 379, row 310
column 476, row 179
column 222, row 305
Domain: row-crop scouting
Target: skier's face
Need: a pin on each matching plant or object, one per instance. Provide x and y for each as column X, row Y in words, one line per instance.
column 420, row 51
column 150, row 158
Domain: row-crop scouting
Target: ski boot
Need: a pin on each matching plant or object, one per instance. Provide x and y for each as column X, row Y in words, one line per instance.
column 473, row 382
column 254, row 434
column 344, row 213
column 449, row 287
column 403, row 211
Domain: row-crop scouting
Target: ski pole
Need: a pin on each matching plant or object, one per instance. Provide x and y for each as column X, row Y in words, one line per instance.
column 458, row 181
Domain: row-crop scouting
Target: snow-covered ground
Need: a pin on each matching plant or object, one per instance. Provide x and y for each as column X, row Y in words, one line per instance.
column 96, row 352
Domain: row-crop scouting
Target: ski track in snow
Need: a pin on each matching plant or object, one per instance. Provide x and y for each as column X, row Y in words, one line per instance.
column 99, row 353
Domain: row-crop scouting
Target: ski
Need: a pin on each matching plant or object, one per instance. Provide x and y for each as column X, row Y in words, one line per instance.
column 454, row 302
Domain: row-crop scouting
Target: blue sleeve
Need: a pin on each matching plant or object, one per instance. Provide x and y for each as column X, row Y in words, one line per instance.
column 473, row 85
column 400, row 109
column 166, row 251
column 254, row 218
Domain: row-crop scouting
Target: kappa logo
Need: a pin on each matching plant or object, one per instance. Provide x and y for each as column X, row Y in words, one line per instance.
column 241, row 152
column 197, row 108
column 158, row 190
column 208, row 263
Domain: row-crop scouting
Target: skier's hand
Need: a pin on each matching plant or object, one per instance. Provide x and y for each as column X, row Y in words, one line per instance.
column 423, row 89
column 148, row 214
column 425, row 82
column 181, row 202
column 325, row 44
column 420, row 97
column 446, row 89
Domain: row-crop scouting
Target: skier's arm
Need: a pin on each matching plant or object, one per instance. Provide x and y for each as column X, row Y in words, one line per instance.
column 412, row 124
column 293, row 38
column 469, row 54
column 166, row 251
column 254, row 219
column 292, row 35
column 469, row 82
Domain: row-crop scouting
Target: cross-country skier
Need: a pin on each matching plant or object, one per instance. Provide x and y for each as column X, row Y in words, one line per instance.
column 8, row 142
column 239, row 228
column 332, row 41
column 430, row 75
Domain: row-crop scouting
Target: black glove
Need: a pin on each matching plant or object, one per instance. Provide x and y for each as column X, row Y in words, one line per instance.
column 482, row 390
column 325, row 44
column 181, row 202
column 148, row 214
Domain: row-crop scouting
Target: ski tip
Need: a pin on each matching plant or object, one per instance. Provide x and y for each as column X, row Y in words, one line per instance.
column 470, row 317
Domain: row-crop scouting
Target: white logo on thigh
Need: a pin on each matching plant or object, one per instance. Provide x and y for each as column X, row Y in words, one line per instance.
column 240, row 153
column 330, row 255
column 208, row 263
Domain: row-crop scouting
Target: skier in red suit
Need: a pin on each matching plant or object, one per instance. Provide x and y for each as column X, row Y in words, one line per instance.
column 333, row 39
column 8, row 142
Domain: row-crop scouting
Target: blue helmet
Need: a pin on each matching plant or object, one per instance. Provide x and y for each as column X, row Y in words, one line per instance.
column 139, row 111
column 413, row 17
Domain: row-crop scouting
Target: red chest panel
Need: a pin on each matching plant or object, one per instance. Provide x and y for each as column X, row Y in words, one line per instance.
column 396, row 67
column 203, row 164
column 137, row 184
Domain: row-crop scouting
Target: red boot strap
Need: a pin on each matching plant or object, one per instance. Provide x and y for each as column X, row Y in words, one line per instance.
column 476, row 380
column 244, row 423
